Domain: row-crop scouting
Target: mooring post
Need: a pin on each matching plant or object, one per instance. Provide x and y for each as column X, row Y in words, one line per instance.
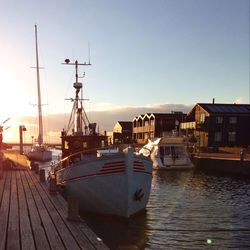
column 1, row 165
column 21, row 130
column 73, row 208
column 42, row 175
column 36, row 168
column 1, row 169
column 52, row 185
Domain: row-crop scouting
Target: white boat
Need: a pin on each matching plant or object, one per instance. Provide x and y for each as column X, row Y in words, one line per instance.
column 168, row 153
column 107, row 181
column 39, row 152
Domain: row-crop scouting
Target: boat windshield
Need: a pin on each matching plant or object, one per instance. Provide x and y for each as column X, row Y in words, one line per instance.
column 172, row 150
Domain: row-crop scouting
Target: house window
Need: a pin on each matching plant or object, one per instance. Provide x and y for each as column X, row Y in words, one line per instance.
column 219, row 119
column 217, row 136
column 202, row 118
column 233, row 120
column 84, row 144
column 232, row 136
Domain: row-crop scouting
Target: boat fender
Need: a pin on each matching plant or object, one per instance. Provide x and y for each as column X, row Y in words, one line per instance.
column 138, row 195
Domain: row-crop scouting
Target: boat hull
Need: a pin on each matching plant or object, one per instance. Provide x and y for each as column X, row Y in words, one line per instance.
column 116, row 185
column 40, row 155
column 167, row 163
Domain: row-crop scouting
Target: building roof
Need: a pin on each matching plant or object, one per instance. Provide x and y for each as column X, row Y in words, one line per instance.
column 125, row 125
column 226, row 108
column 159, row 115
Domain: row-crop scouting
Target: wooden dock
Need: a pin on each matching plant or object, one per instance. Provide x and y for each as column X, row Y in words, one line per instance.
column 32, row 218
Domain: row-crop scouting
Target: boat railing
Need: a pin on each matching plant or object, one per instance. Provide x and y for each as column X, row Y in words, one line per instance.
column 84, row 155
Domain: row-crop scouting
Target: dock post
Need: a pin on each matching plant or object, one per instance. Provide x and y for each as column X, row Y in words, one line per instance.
column 52, row 186
column 21, row 130
column 42, row 175
column 36, row 167
column 73, row 208
column 1, row 165
column 1, row 169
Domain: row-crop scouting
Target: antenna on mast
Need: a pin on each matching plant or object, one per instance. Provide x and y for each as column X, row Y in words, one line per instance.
column 89, row 51
column 78, row 115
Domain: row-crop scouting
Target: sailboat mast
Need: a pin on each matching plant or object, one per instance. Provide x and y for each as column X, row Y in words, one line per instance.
column 40, row 135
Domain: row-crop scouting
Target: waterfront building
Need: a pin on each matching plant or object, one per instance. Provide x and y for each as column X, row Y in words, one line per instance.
column 219, row 125
column 122, row 132
column 151, row 125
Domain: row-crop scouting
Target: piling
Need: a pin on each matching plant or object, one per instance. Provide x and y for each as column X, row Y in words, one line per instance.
column 42, row 175
column 1, row 169
column 34, row 167
column 52, row 185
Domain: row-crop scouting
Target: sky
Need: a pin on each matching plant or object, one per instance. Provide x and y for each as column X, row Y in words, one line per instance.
column 144, row 54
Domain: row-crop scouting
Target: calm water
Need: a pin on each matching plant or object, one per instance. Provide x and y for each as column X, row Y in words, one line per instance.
column 186, row 210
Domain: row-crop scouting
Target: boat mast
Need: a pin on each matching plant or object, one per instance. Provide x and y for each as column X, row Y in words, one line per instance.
column 40, row 135
column 78, row 115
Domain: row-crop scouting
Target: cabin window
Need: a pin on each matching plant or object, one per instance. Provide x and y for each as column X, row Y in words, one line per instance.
column 84, row 144
column 202, row 117
column 232, row 136
column 151, row 135
column 179, row 150
column 217, row 136
column 219, row 119
column 233, row 120
column 167, row 151
column 66, row 145
column 161, row 151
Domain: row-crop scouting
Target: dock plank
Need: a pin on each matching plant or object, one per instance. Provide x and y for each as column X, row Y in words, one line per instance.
column 32, row 218
column 85, row 237
column 38, row 232
column 52, row 234
column 27, row 240
column 65, row 235
column 2, row 182
column 4, row 212
column 13, row 241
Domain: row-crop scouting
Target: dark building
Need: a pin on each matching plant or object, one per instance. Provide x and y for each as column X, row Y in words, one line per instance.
column 219, row 125
column 152, row 125
column 122, row 132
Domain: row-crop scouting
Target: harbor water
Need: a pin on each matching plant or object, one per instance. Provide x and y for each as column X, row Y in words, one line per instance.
column 186, row 210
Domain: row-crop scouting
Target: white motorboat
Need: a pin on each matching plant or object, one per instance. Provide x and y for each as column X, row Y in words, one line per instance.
column 107, row 181
column 39, row 152
column 168, row 153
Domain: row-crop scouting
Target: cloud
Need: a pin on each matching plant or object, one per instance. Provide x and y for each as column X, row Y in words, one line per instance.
column 105, row 119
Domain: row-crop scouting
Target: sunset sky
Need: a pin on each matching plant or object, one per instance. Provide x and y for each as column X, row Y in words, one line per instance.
column 143, row 54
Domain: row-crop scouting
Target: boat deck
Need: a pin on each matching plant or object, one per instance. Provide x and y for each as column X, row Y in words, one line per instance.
column 32, row 218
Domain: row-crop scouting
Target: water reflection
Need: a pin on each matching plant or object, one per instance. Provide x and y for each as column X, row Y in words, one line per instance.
column 186, row 210
column 120, row 233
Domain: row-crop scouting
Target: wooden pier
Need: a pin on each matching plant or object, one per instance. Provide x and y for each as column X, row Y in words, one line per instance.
column 32, row 218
